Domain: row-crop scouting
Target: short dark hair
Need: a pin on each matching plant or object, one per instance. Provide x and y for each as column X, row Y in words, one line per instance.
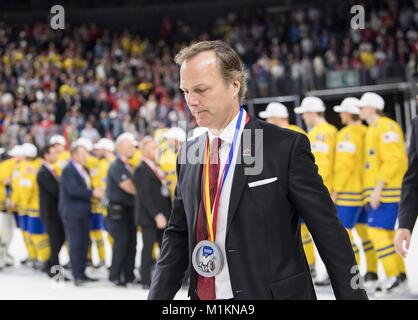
column 75, row 148
column 230, row 64
column 46, row 150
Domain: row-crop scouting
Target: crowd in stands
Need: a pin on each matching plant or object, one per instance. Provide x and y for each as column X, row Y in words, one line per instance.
column 89, row 81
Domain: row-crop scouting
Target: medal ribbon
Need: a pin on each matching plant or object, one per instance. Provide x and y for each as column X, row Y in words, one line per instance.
column 212, row 213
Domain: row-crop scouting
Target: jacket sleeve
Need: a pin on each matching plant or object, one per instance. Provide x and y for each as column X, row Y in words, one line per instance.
column 174, row 258
column 47, row 184
column 391, row 154
column 311, row 200
column 408, row 210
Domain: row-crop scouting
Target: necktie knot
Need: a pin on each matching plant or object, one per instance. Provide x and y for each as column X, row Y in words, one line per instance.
column 215, row 146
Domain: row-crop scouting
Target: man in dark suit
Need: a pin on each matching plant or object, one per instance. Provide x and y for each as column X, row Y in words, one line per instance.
column 270, row 184
column 408, row 210
column 152, row 205
column 48, row 205
column 74, row 207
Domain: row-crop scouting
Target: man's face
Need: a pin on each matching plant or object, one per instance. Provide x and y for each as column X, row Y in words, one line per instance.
column 52, row 156
column 81, row 156
column 126, row 148
column 100, row 153
column 309, row 117
column 150, row 150
column 345, row 117
column 210, row 100
column 366, row 112
column 59, row 148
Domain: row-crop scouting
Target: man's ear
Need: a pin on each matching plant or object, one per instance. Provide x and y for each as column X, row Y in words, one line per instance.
column 237, row 86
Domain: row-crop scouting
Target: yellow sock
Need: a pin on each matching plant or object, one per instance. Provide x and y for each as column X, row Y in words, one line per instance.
column 89, row 254
column 96, row 237
column 355, row 248
column 399, row 258
column 308, row 245
column 383, row 242
column 110, row 239
column 155, row 251
column 41, row 243
column 369, row 251
column 29, row 245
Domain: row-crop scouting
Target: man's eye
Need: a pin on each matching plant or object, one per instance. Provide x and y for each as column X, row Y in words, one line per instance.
column 201, row 90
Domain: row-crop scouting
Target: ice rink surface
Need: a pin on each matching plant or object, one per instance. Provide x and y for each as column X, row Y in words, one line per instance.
column 20, row 282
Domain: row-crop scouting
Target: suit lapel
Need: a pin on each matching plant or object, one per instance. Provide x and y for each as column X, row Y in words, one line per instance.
column 240, row 179
column 79, row 175
column 195, row 178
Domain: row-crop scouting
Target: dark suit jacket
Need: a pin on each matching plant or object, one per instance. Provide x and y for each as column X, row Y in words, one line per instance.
column 48, row 194
column 408, row 210
column 75, row 196
column 263, row 243
column 149, row 201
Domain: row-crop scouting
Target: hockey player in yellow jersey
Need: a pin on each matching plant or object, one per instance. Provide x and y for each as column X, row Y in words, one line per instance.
column 174, row 136
column 348, row 182
column 29, row 201
column 7, row 220
column 58, row 142
column 384, row 167
column 104, row 150
column 277, row 114
column 322, row 136
column 8, row 170
column 16, row 202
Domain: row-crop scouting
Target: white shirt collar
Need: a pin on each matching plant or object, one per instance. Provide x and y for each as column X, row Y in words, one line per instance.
column 227, row 134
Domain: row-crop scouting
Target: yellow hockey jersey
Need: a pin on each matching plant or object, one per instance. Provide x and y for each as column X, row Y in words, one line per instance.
column 6, row 173
column 28, row 187
column 98, row 180
column 15, row 194
column 62, row 161
column 167, row 162
column 322, row 138
column 93, row 169
column 297, row 129
column 135, row 160
column 385, row 160
column 348, row 168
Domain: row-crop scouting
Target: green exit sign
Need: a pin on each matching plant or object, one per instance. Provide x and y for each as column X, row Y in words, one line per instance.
column 340, row 79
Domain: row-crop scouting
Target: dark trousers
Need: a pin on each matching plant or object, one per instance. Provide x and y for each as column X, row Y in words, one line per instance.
column 77, row 232
column 122, row 228
column 150, row 235
column 56, row 236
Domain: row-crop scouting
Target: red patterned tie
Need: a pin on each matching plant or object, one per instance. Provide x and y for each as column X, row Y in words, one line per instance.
column 206, row 286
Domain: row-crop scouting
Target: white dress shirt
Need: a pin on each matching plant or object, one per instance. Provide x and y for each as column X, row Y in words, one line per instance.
column 83, row 173
column 223, row 287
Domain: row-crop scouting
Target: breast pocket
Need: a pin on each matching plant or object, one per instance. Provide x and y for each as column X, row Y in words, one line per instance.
column 263, row 185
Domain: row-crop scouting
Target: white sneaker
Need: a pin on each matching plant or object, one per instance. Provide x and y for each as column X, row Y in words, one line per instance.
column 9, row 260
column 394, row 287
column 2, row 258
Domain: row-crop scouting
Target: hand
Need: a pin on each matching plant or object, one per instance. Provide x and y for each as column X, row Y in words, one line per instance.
column 375, row 198
column 161, row 221
column 402, row 236
column 98, row 193
column 334, row 196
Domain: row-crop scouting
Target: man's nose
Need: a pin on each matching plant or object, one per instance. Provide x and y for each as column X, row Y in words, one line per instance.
column 192, row 100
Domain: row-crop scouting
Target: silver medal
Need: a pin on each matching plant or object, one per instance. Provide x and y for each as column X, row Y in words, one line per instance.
column 165, row 191
column 207, row 259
